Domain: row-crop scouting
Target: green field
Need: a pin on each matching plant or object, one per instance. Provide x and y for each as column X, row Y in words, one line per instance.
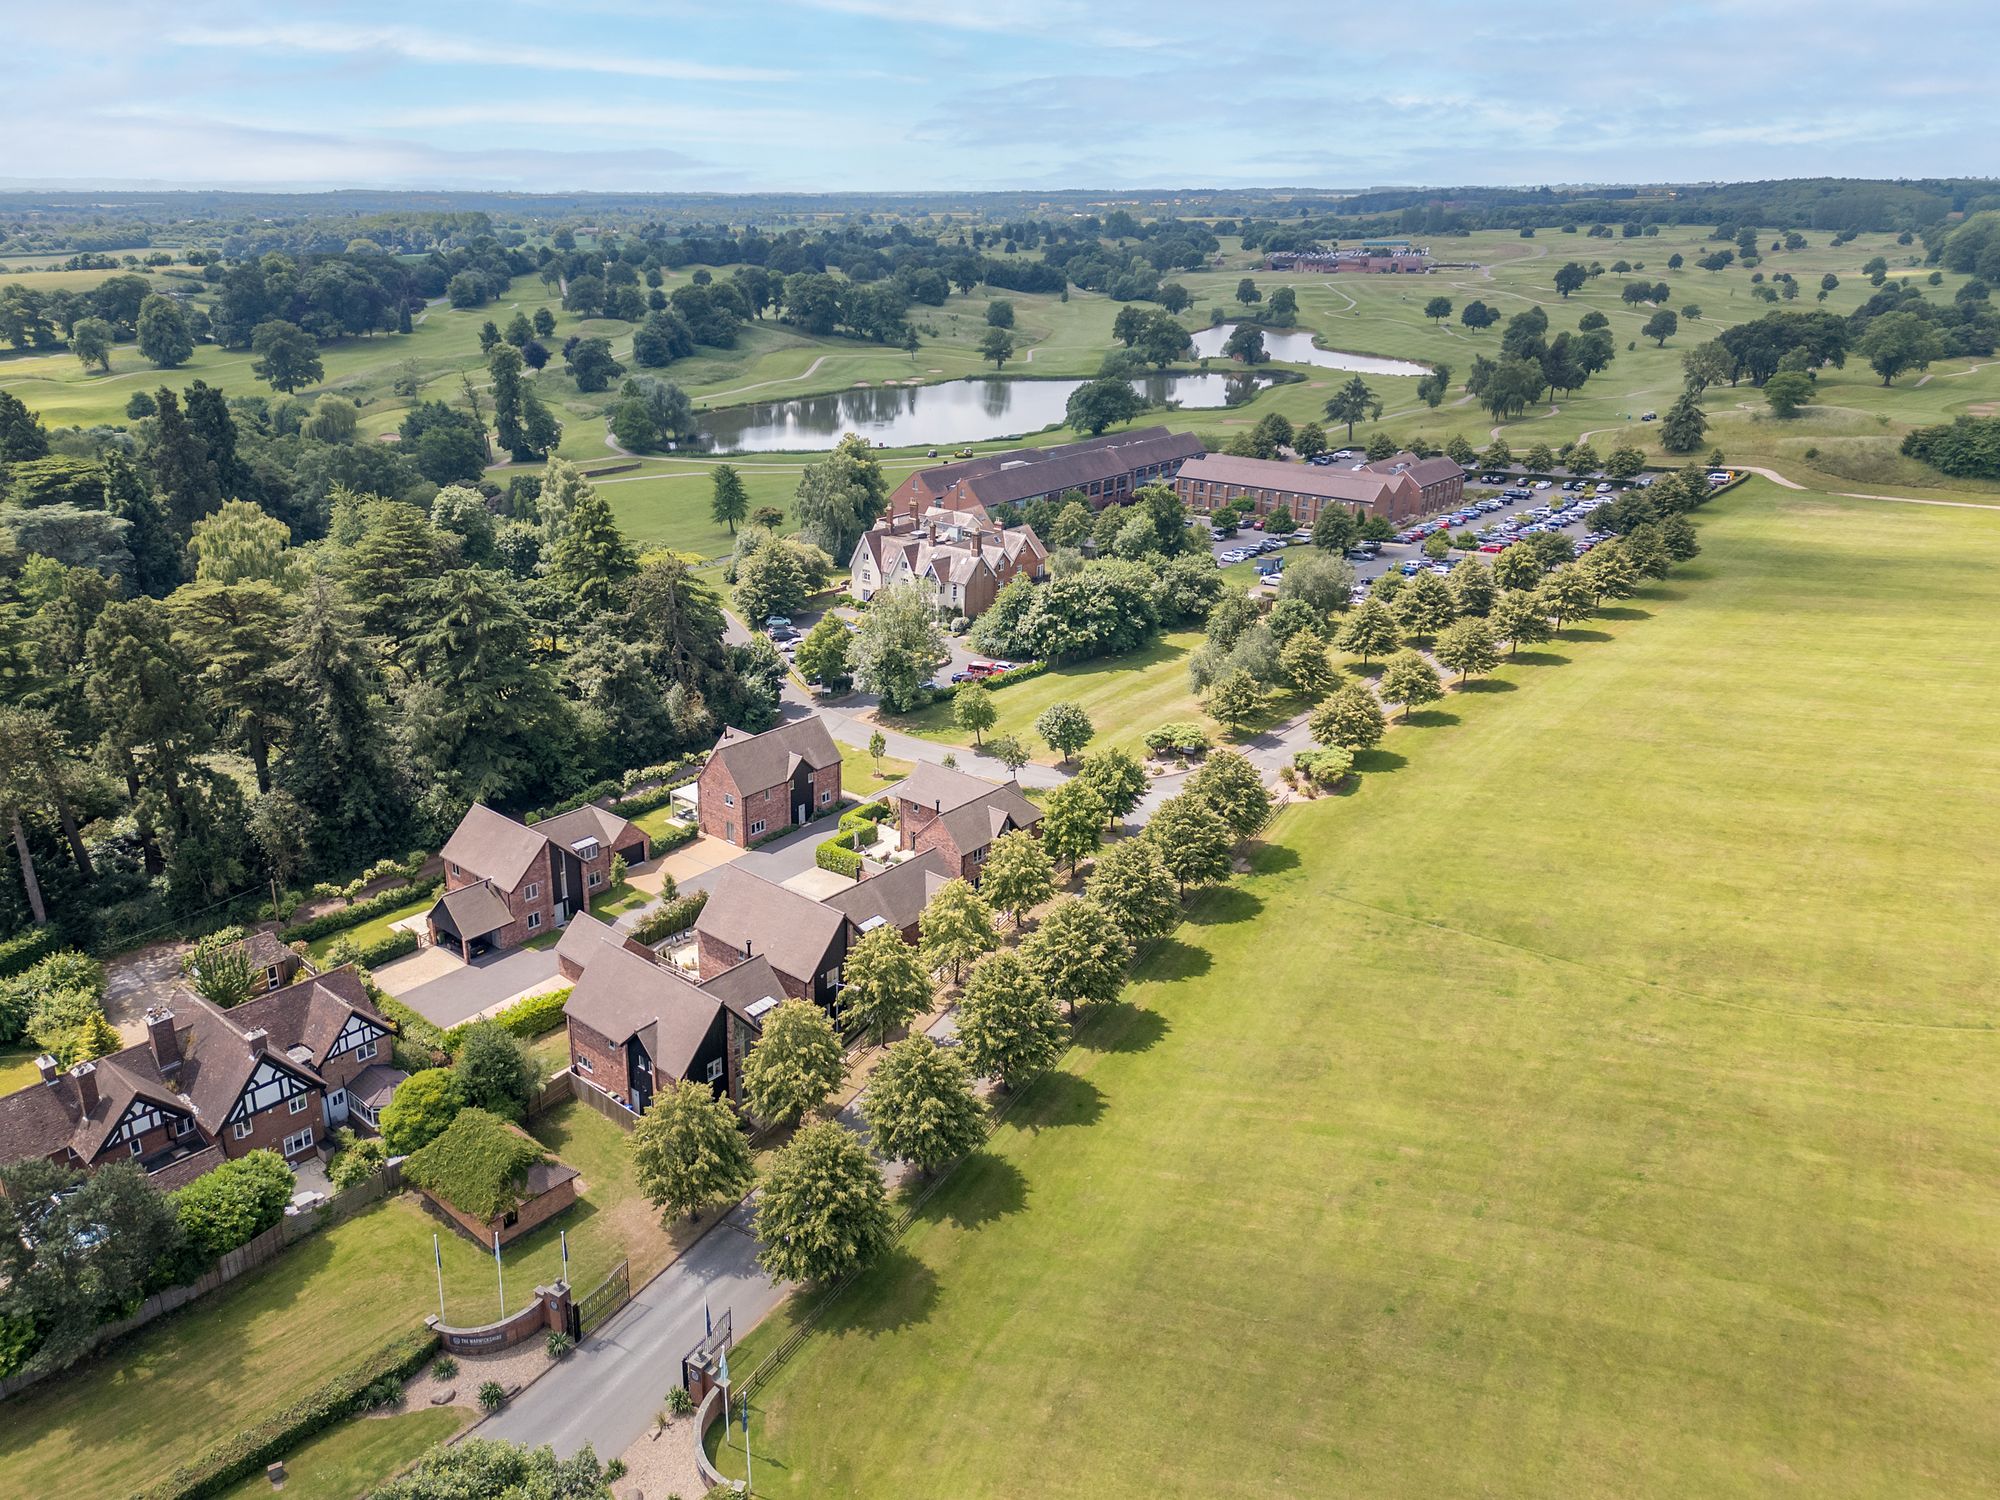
column 349, row 1460
column 1598, row 1100
column 236, row 1356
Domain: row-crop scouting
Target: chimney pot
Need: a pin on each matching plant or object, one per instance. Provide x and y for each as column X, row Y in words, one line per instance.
column 85, row 1074
column 48, row 1067
column 166, row 1042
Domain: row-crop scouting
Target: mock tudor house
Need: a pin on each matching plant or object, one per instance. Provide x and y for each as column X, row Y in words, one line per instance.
column 1104, row 470
column 757, row 785
column 747, row 917
column 637, row 1025
column 506, row 883
column 958, row 816
column 208, row 1085
column 968, row 560
column 1397, row 489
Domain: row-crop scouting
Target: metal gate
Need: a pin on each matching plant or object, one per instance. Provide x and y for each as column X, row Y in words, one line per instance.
column 609, row 1295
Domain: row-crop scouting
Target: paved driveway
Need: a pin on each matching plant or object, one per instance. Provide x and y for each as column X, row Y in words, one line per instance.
column 471, row 988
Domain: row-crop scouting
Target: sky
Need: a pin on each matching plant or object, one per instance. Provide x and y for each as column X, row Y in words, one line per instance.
column 843, row 95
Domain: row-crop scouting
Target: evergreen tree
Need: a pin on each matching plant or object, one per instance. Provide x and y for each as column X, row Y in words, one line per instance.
column 236, row 633
column 156, row 562
column 730, row 502
column 179, row 465
column 591, row 559
column 1685, row 425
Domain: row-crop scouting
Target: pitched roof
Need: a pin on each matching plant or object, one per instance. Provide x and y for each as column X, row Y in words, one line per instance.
column 621, row 995
column 940, row 787
column 374, row 1084
column 46, row 1118
column 749, row 913
column 897, row 895
column 493, row 845
column 483, row 1166
column 475, row 910
column 745, row 989
column 1047, row 471
column 1426, row 471
column 978, row 824
column 582, row 937
column 1328, row 482
column 263, row 949
column 587, row 822
column 759, row 761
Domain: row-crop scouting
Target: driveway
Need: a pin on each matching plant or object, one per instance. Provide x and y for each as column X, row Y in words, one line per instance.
column 474, row 987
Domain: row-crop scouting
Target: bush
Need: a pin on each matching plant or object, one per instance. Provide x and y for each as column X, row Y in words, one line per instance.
column 413, row 1028
column 385, row 1392
column 247, row 1452
column 355, row 1158
column 1026, row 672
column 314, row 928
column 679, row 1402
column 373, row 955
column 832, row 855
column 615, row 1470
column 535, row 1016
column 491, row 1396
column 559, row 1344
column 235, row 1203
column 676, row 916
column 26, row 948
column 68, row 973
column 444, row 1367
column 1178, row 738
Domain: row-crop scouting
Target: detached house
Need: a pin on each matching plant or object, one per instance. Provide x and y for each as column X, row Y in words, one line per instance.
column 967, row 560
column 757, row 785
column 895, row 897
column 746, row 917
column 208, row 1085
column 506, row 883
column 958, row 817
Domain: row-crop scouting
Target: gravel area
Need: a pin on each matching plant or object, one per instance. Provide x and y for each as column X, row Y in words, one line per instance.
column 660, row 1466
column 513, row 1368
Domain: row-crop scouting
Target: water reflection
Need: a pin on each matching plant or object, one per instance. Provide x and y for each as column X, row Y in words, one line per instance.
column 1294, row 346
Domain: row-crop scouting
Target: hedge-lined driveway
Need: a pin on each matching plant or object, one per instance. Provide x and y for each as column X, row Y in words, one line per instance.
column 471, row 988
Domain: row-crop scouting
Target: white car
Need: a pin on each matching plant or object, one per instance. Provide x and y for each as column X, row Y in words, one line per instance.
column 1544, row 484
column 1604, row 489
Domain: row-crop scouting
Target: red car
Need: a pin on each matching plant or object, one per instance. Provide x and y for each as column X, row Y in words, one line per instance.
column 1494, row 547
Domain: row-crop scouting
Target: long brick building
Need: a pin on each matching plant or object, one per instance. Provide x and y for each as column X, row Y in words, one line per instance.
column 1104, row 470
column 1397, row 489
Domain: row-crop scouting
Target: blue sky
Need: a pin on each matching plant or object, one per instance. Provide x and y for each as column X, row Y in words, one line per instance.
column 822, row 95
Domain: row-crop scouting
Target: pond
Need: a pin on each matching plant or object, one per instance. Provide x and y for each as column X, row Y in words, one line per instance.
column 1294, row 346
column 954, row 411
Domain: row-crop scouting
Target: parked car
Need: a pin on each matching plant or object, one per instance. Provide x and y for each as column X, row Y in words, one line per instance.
column 1604, row 489
column 1649, row 416
column 1543, row 484
column 1719, row 476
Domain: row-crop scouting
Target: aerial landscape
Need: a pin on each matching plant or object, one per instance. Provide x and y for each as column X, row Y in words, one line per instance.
column 834, row 749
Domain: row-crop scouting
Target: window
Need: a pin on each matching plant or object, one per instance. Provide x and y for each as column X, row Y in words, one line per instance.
column 183, row 1125
column 134, row 1143
column 457, row 873
column 824, row 798
column 294, row 1144
column 299, row 1103
column 596, row 879
column 366, row 1050
column 581, row 1063
column 271, row 977
column 241, row 1130
column 756, row 828
column 534, row 889
column 728, row 799
column 714, row 1073
column 534, row 920
column 337, row 1099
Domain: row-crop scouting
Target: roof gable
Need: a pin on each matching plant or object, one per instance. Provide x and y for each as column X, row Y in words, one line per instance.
column 492, row 845
column 757, row 762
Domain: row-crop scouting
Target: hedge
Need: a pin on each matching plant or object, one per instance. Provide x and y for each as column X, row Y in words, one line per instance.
column 377, row 905
column 834, row 856
column 674, row 837
column 249, row 1451
column 412, row 1027
column 1026, row 672
column 536, row 1015
column 27, row 949
column 675, row 916
column 381, row 951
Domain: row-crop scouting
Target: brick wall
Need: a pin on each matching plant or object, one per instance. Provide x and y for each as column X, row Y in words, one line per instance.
column 269, row 1127
column 606, row 1059
column 718, row 821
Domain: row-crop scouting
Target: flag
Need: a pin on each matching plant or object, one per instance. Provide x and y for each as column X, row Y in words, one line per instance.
column 707, row 1321
column 722, row 1370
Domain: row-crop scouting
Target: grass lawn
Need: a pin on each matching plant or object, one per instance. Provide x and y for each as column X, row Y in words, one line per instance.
column 375, row 929
column 350, row 1459
column 658, row 823
column 1598, row 1100
column 17, row 1066
column 234, row 1357
column 616, row 900
column 858, row 774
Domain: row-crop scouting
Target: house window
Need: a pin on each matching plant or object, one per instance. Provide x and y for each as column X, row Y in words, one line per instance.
column 337, row 1100
column 271, row 977
column 298, row 1105
column 134, row 1143
column 183, row 1125
column 824, row 798
column 714, row 1073
column 366, row 1050
column 534, row 889
column 534, row 920
column 756, row 828
column 241, row 1130
column 596, row 879
column 728, row 799
column 294, row 1144
column 581, row 1063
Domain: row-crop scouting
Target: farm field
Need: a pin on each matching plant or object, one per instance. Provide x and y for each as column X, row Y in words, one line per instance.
column 1596, row 1100
column 232, row 1358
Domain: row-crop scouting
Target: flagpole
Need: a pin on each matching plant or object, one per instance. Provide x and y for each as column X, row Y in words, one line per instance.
column 437, row 1254
column 564, row 1233
column 749, row 1480
column 500, row 1273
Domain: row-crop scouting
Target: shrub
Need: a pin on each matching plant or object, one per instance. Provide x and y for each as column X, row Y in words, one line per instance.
column 676, row 916
column 355, row 1158
column 491, row 1396
column 559, row 1344
column 444, row 1367
column 395, row 945
column 18, row 952
column 679, row 1402
column 1178, row 738
column 535, row 1016
column 235, row 1203
column 384, row 1392
column 68, row 973
column 615, row 1470
column 413, row 1028
column 833, row 855
column 422, row 1107
column 314, row 928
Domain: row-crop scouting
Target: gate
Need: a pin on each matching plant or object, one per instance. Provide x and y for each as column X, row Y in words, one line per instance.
column 609, row 1295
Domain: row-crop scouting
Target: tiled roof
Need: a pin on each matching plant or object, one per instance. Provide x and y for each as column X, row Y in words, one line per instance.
column 745, row 987
column 793, row 931
column 1329, row 482
column 756, row 762
column 493, row 845
column 587, row 822
column 621, row 995
column 475, row 910
column 897, row 895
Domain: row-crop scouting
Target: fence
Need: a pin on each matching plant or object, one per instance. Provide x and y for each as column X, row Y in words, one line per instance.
column 610, row 1294
column 602, row 1102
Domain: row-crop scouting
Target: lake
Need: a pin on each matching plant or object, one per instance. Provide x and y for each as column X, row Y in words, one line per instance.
column 953, row 411
column 1294, row 346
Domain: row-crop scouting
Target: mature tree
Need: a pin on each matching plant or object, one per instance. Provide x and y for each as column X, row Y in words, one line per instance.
column 1788, row 392
column 1370, row 631
column 1684, row 426
column 1467, row 647
column 1073, row 822
column 1078, row 954
column 591, row 560
column 822, row 655
column 839, row 497
column 1567, row 596
column 236, row 632
column 688, row 1151
column 1518, row 620
column 1409, row 680
column 1234, row 789
column 955, row 927
column 823, row 1210
column 1000, row 313
column 1101, row 403
column 182, row 469
column 91, row 340
column 1335, row 529
column 1477, row 315
column 899, row 644
column 1008, row 1027
column 1235, row 697
column 1192, row 839
column 920, row 1107
column 794, row 1065
column 287, row 356
column 242, row 543
column 1570, row 277
column 972, row 709
column 1019, row 874
column 1899, row 341
column 1065, row 727
column 423, row 1105
column 1304, row 665
column 165, row 336
column 1437, row 309
column 1426, row 606
column 1351, row 404
column 1117, row 778
column 1133, row 885
column 886, row 984
column 492, row 1070
column 996, row 344
column 1517, row 568
column 1677, row 536
column 1662, row 326
column 234, row 1203
column 730, row 501
column 1247, row 293
column 1351, row 719
column 1322, row 580
column 1245, row 342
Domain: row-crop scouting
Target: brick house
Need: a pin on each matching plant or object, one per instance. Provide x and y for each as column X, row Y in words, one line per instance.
column 747, row 917
column 637, row 1025
column 895, row 896
column 757, row 785
column 208, row 1085
column 959, row 816
column 968, row 561
column 506, row 883
column 1104, row 470
column 529, row 1192
column 1398, row 489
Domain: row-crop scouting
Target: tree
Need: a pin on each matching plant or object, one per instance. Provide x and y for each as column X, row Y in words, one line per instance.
column 1235, row 698
column 1351, row 720
column 1322, row 582
column 956, row 926
column 1008, row 1027
column 1477, row 315
column 1019, row 874
column 1234, row 789
column 1335, row 529
column 1662, row 326
column 688, row 1151
column 1351, row 404
column 1425, row 606
column 839, row 497
column 822, row 655
column 1567, row 595
column 1009, row 751
column 287, row 356
column 1899, row 341
column 1073, row 822
column 730, row 501
column 423, row 1105
column 1787, row 392
column 823, row 1211
column 794, row 1065
column 1304, row 665
column 972, row 709
column 886, row 985
column 231, row 1205
column 878, row 746
column 165, row 337
column 1371, row 631
column 1192, row 839
column 1467, row 647
column 1518, row 620
column 899, row 643
column 1078, row 954
column 920, row 1107
column 997, row 344
column 218, row 968
column 90, row 340
column 492, row 1071
column 1000, row 313
column 1684, row 426
column 591, row 365
column 1570, row 277
column 1117, row 778
column 1409, row 680
column 1065, row 727
column 1247, row 293
column 1625, row 461
column 1245, row 342
column 1101, row 403
column 1133, row 885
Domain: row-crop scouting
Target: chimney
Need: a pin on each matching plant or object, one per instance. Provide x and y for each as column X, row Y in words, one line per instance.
column 255, row 1040
column 166, row 1043
column 85, row 1074
column 48, row 1067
